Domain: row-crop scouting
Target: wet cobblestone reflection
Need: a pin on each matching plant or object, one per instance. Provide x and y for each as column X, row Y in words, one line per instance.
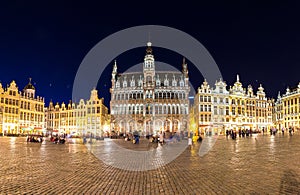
column 256, row 165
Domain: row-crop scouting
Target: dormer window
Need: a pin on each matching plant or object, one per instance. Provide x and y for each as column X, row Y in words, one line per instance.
column 124, row 83
column 132, row 83
column 158, row 82
column 181, row 83
column 140, row 83
column 166, row 82
column 221, row 89
column 149, row 79
column 174, row 83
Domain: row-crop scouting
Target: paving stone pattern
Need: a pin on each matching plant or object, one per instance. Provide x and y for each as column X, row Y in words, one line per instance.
column 261, row 164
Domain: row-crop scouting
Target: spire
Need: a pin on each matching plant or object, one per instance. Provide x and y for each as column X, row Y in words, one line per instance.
column 184, row 68
column 261, row 88
column 149, row 49
column 115, row 67
column 29, row 85
column 114, row 72
column 149, row 37
column 149, row 59
column 237, row 78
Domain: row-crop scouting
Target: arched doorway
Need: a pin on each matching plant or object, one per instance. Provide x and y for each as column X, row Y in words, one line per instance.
column 167, row 125
column 159, row 126
column 122, row 127
column 130, row 126
column 175, row 126
column 149, row 127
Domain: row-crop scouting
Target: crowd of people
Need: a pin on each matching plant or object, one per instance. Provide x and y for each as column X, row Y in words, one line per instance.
column 135, row 138
column 241, row 133
column 34, row 138
column 273, row 130
column 165, row 137
column 161, row 137
column 58, row 139
column 248, row 132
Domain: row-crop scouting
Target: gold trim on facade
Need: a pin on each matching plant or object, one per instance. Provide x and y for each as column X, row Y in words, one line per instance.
column 217, row 110
column 21, row 112
column 85, row 118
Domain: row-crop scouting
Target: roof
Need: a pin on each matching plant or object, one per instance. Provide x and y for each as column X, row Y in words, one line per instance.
column 160, row 74
column 29, row 85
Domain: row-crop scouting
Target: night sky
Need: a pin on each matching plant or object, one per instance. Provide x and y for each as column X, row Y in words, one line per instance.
column 260, row 41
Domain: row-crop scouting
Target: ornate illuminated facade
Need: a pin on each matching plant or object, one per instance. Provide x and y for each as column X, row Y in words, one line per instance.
column 150, row 101
column 21, row 112
column 85, row 118
column 61, row 118
column 203, row 108
column 217, row 110
column 287, row 109
column 96, row 115
column 221, row 107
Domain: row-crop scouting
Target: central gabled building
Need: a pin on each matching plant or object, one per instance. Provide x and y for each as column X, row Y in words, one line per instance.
column 150, row 101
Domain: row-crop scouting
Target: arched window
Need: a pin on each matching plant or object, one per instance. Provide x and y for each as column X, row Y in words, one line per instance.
column 158, row 82
column 182, row 109
column 149, row 79
column 166, row 82
column 142, row 108
column 117, row 109
column 140, row 83
column 160, row 109
column 174, row 83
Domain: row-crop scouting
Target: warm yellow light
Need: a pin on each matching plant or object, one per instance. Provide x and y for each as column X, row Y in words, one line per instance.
column 106, row 127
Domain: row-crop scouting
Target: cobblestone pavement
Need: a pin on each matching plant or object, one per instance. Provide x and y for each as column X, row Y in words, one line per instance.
column 256, row 165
